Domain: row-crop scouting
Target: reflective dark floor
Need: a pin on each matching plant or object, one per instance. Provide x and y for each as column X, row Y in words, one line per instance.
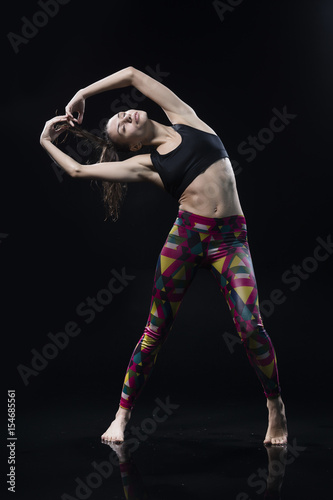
column 187, row 451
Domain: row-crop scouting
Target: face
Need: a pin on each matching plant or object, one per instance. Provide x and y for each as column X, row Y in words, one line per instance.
column 128, row 128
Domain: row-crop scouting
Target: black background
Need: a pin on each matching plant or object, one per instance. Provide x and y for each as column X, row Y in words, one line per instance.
column 56, row 249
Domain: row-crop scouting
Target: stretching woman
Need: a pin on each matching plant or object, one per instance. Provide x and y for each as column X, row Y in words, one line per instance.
column 190, row 162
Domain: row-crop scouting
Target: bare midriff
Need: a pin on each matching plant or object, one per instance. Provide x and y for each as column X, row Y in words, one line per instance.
column 213, row 193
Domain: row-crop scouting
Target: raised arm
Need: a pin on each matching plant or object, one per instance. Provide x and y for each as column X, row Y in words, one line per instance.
column 172, row 105
column 135, row 169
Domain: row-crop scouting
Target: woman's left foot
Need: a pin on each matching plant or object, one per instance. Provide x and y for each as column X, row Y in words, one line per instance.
column 277, row 433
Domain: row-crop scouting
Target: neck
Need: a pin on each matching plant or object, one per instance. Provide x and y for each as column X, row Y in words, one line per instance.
column 158, row 134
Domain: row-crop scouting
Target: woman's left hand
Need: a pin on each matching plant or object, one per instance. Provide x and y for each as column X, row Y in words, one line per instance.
column 76, row 105
column 53, row 128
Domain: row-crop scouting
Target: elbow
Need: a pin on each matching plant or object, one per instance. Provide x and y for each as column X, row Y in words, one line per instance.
column 76, row 171
column 131, row 74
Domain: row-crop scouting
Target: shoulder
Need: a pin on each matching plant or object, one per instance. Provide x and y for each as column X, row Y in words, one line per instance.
column 192, row 120
column 139, row 162
column 142, row 160
column 142, row 167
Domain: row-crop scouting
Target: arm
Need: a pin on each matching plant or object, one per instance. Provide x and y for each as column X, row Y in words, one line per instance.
column 52, row 129
column 172, row 105
column 135, row 169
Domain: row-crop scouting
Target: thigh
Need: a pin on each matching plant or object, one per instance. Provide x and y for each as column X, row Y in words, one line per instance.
column 175, row 269
column 235, row 275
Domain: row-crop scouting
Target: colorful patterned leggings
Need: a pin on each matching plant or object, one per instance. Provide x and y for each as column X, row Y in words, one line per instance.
column 221, row 246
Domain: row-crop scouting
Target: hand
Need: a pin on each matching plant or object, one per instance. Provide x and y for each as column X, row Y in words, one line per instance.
column 76, row 105
column 53, row 128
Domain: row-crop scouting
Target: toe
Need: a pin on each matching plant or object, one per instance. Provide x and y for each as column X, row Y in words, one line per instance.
column 279, row 441
column 105, row 437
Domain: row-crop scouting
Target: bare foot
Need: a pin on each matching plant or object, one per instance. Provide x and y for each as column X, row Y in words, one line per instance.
column 115, row 432
column 277, row 432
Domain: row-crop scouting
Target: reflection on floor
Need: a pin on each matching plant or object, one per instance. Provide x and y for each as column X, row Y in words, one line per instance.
column 172, row 452
column 267, row 481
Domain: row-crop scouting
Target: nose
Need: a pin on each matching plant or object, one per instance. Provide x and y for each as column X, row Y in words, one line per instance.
column 127, row 118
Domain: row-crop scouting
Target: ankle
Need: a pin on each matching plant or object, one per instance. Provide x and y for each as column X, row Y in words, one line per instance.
column 275, row 402
column 123, row 414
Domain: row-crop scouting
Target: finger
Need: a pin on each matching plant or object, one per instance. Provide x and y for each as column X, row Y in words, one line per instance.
column 65, row 119
column 60, row 118
column 73, row 121
column 59, row 128
column 79, row 118
column 68, row 111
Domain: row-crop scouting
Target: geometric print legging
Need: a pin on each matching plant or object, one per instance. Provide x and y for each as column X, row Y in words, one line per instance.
column 220, row 245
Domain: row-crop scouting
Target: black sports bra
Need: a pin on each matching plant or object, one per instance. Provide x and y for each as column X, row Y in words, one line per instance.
column 197, row 151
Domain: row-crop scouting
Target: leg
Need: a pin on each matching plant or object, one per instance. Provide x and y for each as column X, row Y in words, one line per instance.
column 236, row 278
column 176, row 267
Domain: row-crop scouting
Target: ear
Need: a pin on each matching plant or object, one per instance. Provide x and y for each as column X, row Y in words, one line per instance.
column 136, row 147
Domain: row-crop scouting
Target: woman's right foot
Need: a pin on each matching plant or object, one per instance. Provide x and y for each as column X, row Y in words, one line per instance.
column 115, row 433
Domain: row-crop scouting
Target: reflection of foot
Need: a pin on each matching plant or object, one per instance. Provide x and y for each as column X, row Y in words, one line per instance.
column 122, row 451
column 134, row 488
column 115, row 432
column 277, row 433
column 276, row 469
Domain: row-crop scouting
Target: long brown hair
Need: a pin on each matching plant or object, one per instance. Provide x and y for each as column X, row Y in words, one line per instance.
column 112, row 192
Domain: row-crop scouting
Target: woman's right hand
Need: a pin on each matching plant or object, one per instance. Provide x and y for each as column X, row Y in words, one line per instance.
column 53, row 128
column 76, row 105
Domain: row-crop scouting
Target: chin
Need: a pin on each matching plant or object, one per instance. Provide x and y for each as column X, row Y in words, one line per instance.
column 143, row 115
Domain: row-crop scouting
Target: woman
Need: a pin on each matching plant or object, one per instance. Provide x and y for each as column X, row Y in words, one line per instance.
column 189, row 161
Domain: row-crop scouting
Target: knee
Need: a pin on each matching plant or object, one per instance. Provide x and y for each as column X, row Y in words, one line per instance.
column 251, row 332
column 153, row 337
column 158, row 325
